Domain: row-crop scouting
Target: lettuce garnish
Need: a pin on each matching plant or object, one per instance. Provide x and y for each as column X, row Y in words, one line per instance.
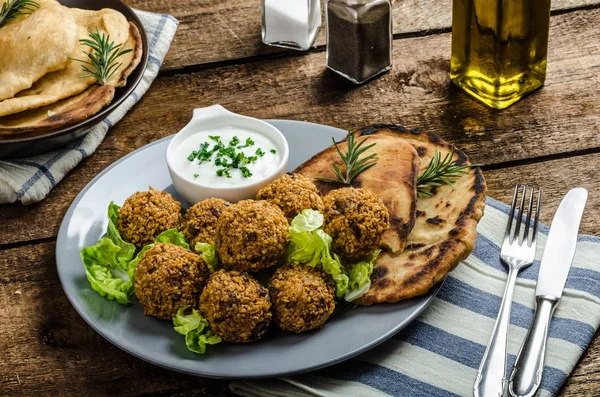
column 208, row 252
column 310, row 245
column 196, row 330
column 108, row 263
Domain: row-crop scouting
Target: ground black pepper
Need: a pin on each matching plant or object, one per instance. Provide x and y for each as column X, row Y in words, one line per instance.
column 359, row 38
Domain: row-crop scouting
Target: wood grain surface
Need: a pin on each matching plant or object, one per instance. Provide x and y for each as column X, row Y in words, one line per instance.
column 551, row 138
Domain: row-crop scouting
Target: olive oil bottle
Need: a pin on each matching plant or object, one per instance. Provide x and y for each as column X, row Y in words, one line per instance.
column 499, row 48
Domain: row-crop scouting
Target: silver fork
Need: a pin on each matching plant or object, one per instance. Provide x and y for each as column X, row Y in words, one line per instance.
column 517, row 253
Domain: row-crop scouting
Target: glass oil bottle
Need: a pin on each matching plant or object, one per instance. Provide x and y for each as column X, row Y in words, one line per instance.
column 499, row 48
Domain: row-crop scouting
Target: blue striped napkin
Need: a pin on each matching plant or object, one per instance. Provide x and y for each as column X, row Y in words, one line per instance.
column 29, row 180
column 439, row 353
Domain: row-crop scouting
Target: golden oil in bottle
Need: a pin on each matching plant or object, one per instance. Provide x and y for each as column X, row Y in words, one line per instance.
column 499, row 48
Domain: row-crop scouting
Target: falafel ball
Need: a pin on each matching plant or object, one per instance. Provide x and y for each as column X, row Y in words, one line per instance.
column 251, row 236
column 145, row 215
column 292, row 193
column 236, row 306
column 356, row 220
column 200, row 221
column 303, row 298
column 167, row 278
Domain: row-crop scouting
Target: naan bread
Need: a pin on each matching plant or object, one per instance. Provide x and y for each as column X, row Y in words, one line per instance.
column 73, row 109
column 67, row 82
column 65, row 112
column 392, row 180
column 444, row 233
column 33, row 45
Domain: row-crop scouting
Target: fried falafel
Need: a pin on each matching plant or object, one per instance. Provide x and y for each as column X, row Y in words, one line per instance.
column 200, row 221
column 303, row 297
column 145, row 215
column 167, row 278
column 356, row 220
column 236, row 306
column 251, row 236
column 292, row 193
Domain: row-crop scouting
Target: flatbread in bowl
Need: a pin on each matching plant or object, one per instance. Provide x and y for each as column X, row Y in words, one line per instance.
column 443, row 232
column 61, row 105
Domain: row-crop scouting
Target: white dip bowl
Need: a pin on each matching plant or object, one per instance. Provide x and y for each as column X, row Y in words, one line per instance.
column 217, row 120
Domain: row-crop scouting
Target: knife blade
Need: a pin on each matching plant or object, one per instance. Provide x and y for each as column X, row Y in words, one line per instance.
column 559, row 251
column 560, row 245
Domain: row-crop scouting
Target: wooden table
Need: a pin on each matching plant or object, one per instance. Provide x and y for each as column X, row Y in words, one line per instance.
column 551, row 138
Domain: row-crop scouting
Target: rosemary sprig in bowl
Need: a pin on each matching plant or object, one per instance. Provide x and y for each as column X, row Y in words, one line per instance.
column 13, row 8
column 353, row 163
column 441, row 172
column 102, row 60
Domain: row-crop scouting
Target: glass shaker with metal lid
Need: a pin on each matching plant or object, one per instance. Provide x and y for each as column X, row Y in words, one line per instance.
column 359, row 38
column 291, row 23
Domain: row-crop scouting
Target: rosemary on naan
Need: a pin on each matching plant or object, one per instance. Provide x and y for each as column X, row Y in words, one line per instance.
column 13, row 8
column 102, row 60
column 441, row 172
column 354, row 164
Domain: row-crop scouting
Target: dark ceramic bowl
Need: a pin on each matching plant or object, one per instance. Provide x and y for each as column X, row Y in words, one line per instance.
column 29, row 144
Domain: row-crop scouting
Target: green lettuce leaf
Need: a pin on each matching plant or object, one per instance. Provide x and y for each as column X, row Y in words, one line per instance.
column 360, row 277
column 310, row 245
column 208, row 252
column 107, row 262
column 172, row 236
column 196, row 330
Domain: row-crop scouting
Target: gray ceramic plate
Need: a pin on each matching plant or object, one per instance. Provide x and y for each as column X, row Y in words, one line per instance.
column 348, row 333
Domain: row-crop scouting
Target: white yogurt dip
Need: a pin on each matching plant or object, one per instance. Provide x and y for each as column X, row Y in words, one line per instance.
column 207, row 172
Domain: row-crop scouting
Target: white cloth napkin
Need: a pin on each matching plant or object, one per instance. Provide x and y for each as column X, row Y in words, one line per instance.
column 439, row 353
column 29, row 180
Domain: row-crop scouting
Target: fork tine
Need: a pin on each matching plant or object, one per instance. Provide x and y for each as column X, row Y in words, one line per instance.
column 537, row 217
column 528, row 220
column 511, row 213
column 520, row 215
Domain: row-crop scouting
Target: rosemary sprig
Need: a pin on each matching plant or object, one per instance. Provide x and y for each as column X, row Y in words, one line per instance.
column 102, row 63
column 441, row 172
column 354, row 164
column 13, row 8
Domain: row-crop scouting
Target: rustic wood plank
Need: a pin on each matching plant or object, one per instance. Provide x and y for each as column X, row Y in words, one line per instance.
column 53, row 351
column 47, row 349
column 221, row 30
column 562, row 117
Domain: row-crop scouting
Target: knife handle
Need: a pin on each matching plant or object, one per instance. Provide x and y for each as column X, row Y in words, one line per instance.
column 526, row 375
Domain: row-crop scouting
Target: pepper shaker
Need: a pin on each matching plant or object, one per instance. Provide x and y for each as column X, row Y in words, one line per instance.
column 291, row 23
column 359, row 38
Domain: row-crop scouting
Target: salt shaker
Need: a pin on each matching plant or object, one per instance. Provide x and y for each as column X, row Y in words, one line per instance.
column 291, row 23
column 359, row 38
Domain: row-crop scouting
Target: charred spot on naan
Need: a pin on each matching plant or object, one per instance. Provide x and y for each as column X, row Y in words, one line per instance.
column 66, row 112
column 444, row 233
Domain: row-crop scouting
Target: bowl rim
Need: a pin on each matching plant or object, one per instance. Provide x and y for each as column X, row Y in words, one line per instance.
column 128, row 89
column 221, row 116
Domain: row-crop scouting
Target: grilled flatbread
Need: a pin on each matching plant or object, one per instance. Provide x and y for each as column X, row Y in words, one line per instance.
column 33, row 45
column 76, row 108
column 67, row 82
column 65, row 112
column 392, row 180
column 444, row 233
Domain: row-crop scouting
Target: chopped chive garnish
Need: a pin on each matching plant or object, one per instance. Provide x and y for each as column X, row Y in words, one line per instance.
column 234, row 141
column 273, row 151
column 195, row 176
column 245, row 172
column 259, row 152
column 215, row 138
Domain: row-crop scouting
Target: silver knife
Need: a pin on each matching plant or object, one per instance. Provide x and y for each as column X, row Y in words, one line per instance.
column 559, row 251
